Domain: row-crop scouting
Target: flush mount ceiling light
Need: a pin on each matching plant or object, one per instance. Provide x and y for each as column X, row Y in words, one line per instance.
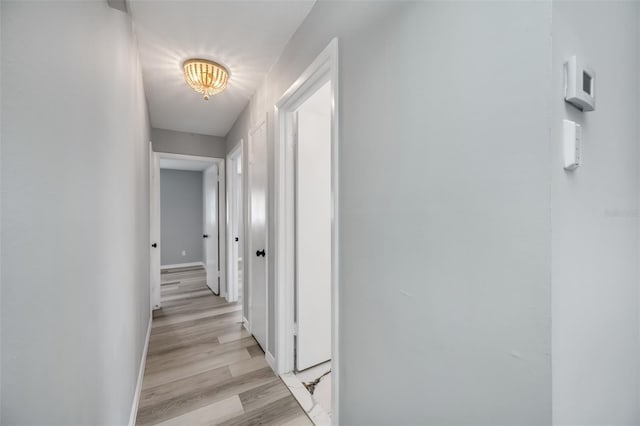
column 206, row 77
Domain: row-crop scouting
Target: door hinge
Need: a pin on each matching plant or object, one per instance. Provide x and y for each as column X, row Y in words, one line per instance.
column 295, row 329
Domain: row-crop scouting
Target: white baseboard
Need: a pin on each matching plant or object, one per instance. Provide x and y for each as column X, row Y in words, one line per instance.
column 143, row 362
column 245, row 324
column 271, row 361
column 182, row 265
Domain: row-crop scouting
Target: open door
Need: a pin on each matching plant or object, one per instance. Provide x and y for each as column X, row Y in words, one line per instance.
column 210, row 233
column 154, row 231
column 313, row 230
column 258, row 233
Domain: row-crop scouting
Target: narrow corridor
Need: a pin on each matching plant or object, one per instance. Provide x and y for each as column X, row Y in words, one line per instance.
column 203, row 367
column 431, row 207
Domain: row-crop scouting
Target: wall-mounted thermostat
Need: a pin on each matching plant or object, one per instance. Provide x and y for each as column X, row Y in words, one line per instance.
column 572, row 141
column 579, row 85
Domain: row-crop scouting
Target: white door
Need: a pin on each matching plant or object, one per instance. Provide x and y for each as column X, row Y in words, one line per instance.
column 210, row 233
column 154, row 231
column 313, row 230
column 258, row 233
column 235, row 223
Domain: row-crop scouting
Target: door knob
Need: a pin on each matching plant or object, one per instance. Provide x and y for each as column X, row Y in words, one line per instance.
column 205, row 236
column 260, row 253
column 154, row 245
column 236, row 238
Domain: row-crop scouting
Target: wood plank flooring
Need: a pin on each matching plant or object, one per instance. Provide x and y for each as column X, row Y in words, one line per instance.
column 203, row 367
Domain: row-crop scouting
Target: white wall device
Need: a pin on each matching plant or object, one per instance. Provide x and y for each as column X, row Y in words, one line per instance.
column 572, row 141
column 579, row 85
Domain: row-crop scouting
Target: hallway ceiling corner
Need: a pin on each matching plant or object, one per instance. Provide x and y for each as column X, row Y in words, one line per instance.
column 246, row 37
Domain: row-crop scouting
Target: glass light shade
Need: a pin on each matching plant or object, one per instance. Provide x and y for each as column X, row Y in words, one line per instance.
column 206, row 77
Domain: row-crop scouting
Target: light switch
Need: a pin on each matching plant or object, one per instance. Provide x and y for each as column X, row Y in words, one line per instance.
column 572, row 141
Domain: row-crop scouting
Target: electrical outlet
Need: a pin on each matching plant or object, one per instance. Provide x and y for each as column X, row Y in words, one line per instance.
column 184, row 253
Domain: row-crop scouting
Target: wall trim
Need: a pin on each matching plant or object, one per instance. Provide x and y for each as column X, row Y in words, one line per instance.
column 245, row 324
column 182, row 265
column 271, row 361
column 143, row 363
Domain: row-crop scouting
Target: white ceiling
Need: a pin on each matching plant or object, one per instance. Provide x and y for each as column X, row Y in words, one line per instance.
column 246, row 37
column 179, row 164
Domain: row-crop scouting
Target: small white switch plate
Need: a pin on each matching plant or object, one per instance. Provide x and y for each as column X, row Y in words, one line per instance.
column 572, row 141
column 184, row 252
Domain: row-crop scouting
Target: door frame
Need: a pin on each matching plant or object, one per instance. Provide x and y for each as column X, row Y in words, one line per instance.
column 249, row 241
column 233, row 220
column 222, row 230
column 155, row 278
column 322, row 70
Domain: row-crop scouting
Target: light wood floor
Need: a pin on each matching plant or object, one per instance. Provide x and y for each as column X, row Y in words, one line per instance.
column 204, row 368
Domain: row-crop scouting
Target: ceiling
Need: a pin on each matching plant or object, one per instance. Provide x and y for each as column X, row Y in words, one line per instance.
column 246, row 37
column 180, row 164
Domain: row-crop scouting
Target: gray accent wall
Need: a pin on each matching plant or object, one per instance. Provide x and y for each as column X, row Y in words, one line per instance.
column 445, row 254
column 181, row 216
column 75, row 214
column 175, row 142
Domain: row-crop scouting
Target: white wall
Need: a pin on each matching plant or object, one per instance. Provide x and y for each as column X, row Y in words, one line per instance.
column 596, row 350
column 75, row 214
column 445, row 224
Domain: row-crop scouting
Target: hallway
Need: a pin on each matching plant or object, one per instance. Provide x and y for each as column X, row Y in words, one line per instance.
column 203, row 367
column 431, row 208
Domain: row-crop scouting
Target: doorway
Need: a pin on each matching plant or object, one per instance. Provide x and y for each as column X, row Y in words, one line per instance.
column 306, row 237
column 186, row 231
column 235, row 226
column 312, row 217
